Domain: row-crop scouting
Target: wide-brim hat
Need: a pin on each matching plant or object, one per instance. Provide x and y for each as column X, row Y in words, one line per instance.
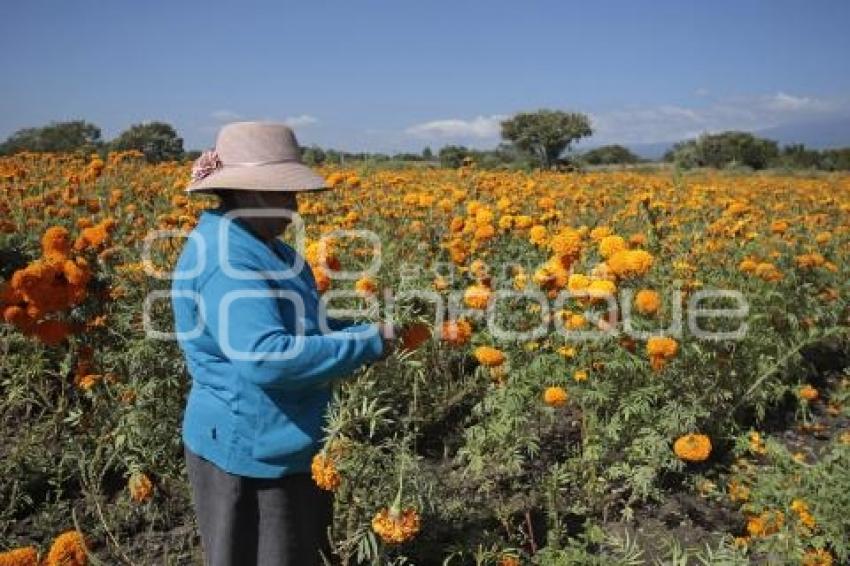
column 254, row 156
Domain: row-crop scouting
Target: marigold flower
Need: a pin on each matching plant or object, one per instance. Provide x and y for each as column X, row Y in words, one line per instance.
column 456, row 332
column 580, row 375
column 324, row 472
column 538, row 235
column 140, row 487
column 817, row 557
column 692, row 447
column 808, row 393
column 508, row 560
column 661, row 349
column 477, row 297
column 765, row 524
column 366, row 286
column 24, row 556
column 566, row 243
column 68, row 549
column 647, row 302
column 630, row 263
column 394, row 526
column 56, row 243
column 609, row 245
column 555, row 396
column 488, row 356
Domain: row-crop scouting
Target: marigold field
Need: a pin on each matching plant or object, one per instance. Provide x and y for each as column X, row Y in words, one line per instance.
column 646, row 443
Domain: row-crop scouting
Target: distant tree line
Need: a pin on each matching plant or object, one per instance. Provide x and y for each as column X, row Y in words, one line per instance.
column 158, row 141
column 543, row 138
column 733, row 149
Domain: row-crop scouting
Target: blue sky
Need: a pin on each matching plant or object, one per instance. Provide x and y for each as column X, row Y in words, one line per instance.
column 389, row 76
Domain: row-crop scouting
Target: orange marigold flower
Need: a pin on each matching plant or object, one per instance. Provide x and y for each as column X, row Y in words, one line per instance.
column 817, row 557
column 68, row 549
column 140, row 487
column 692, row 447
column 538, row 235
column 555, row 396
column 580, row 375
column 808, row 393
column 609, row 245
column 324, row 472
column 395, row 526
column 661, row 349
column 488, row 356
column 24, row 556
column 647, row 302
column 477, row 297
column 366, row 286
column 765, row 524
column 456, row 332
column 630, row 263
column 56, row 243
column 509, row 560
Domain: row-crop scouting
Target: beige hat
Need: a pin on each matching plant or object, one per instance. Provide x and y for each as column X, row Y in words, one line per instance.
column 256, row 156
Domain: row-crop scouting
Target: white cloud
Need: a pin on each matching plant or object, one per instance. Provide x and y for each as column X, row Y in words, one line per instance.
column 226, row 116
column 480, row 127
column 666, row 123
column 300, row 121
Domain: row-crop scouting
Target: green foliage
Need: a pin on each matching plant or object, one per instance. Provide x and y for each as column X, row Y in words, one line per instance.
column 76, row 135
column 546, row 134
column 157, row 140
column 724, row 149
column 610, row 155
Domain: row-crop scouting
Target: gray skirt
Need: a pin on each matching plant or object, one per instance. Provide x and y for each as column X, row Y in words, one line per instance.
column 254, row 521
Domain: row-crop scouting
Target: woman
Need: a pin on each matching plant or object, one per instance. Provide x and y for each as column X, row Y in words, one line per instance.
column 249, row 322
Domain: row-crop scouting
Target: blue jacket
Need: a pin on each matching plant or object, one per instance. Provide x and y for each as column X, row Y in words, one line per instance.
column 261, row 367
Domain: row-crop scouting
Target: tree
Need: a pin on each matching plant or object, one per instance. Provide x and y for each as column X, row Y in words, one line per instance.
column 157, row 140
column 77, row 135
column 610, row 155
column 313, row 155
column 546, row 134
column 453, row 155
column 427, row 154
column 725, row 149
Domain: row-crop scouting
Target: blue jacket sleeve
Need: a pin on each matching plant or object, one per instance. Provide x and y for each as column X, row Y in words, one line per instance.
column 257, row 336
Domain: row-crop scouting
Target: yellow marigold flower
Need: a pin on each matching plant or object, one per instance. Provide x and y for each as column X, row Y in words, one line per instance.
column 538, row 235
column 140, row 486
column 578, row 282
column 580, row 375
column 748, row 266
column 757, row 444
column 823, row 237
column 630, row 263
column 609, row 245
column 477, row 297
column 692, row 447
column 647, row 302
column 661, row 349
column 567, row 351
column 599, row 232
column 395, row 526
column 768, row 272
column 366, row 286
column 601, row 289
column 24, row 556
column 808, row 393
column 817, row 557
column 555, row 396
column 324, row 472
column 810, row 261
column 738, row 492
column 68, row 549
column 488, row 356
column 575, row 322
